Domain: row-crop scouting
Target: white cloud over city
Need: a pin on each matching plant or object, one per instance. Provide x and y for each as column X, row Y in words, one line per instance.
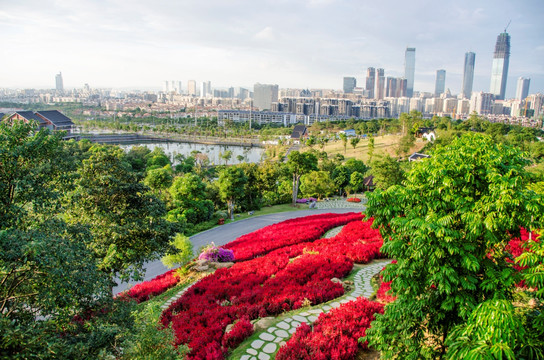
column 313, row 43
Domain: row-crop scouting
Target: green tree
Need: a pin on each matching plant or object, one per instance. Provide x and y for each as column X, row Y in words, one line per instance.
column 356, row 181
column 126, row 222
column 370, row 148
column 189, row 199
column 448, row 228
column 157, row 159
column 341, row 176
column 354, row 141
column 316, row 184
column 182, row 254
column 311, row 141
column 344, row 139
column 227, row 155
column 387, row 172
column 160, row 178
column 299, row 164
column 232, row 181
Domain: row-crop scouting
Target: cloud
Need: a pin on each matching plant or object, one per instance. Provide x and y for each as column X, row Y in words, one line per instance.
column 265, row 34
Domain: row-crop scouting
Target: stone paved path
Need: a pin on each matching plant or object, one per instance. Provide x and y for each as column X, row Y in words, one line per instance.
column 275, row 336
column 341, row 204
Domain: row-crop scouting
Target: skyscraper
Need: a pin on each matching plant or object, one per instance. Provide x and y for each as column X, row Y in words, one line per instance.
column 264, row 95
column 440, row 84
column 468, row 74
column 370, row 81
column 349, row 84
column 523, row 88
column 499, row 70
column 191, row 87
column 59, row 85
column 410, row 70
column 379, row 90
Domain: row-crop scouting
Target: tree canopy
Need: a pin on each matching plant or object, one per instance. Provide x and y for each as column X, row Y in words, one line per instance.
column 448, row 226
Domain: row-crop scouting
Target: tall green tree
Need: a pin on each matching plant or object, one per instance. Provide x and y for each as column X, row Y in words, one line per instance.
column 387, row 172
column 232, row 182
column 354, row 141
column 189, row 199
column 125, row 220
column 344, row 139
column 370, row 148
column 448, row 227
column 316, row 184
column 299, row 164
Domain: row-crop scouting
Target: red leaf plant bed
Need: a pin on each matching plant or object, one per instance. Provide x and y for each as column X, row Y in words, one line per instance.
column 281, row 280
column 353, row 200
column 287, row 233
column 334, row 335
column 143, row 291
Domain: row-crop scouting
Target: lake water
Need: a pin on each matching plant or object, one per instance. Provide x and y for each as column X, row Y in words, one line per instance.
column 250, row 154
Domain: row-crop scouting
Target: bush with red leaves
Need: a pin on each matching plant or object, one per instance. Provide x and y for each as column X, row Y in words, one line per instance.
column 156, row 286
column 353, row 200
column 335, row 334
column 286, row 233
column 241, row 330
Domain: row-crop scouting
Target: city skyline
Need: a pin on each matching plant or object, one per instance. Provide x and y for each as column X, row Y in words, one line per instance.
column 312, row 45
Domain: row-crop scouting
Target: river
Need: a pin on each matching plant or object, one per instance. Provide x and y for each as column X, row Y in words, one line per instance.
column 249, row 154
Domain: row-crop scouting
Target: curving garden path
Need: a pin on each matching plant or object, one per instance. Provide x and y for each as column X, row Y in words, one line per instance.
column 271, row 339
column 221, row 235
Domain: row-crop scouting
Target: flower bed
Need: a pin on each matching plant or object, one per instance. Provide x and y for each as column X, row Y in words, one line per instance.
column 156, row 286
column 305, row 201
column 353, row 200
column 265, row 286
column 281, row 280
column 334, row 335
column 217, row 254
column 287, row 233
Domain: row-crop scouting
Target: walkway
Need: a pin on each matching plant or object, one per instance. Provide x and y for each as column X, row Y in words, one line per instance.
column 271, row 339
column 221, row 235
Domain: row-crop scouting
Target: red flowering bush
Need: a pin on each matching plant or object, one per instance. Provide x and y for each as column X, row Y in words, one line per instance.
column 335, row 334
column 354, row 200
column 289, row 232
column 156, row 286
column 241, row 330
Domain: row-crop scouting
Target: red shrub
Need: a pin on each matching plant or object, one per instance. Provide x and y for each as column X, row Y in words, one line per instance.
column 335, row 334
column 241, row 330
column 156, row 286
column 354, row 200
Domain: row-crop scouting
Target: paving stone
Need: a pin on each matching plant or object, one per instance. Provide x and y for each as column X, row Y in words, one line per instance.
column 299, row 318
column 281, row 333
column 263, row 356
column 257, row 344
column 295, row 324
column 292, row 330
column 267, row 337
column 335, row 304
column 280, row 339
column 245, row 357
column 271, row 329
column 326, row 307
column 288, row 320
column 270, row 348
column 350, row 298
column 312, row 318
column 304, row 314
column 283, row 325
column 315, row 311
column 252, row 351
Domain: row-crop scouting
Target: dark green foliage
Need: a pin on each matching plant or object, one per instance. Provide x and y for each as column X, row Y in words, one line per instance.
column 387, row 172
column 232, row 182
column 448, row 227
column 299, row 164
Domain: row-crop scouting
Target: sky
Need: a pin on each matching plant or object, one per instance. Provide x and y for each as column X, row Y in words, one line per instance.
column 138, row 44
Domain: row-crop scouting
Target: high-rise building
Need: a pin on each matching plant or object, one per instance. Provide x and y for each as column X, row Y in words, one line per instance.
column 59, row 85
column 440, row 84
column 390, row 87
column 379, row 90
column 481, row 103
column 349, row 84
column 166, row 86
column 264, row 95
column 410, row 70
column 370, row 81
column 468, row 74
column 499, row 70
column 206, row 89
column 191, row 87
column 523, row 88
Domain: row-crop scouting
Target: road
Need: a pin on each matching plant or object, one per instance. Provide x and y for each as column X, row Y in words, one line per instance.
column 220, row 235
